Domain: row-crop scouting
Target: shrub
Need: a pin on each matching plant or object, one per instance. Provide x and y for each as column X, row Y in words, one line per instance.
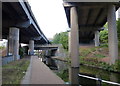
column 21, row 52
column 118, row 28
column 104, row 36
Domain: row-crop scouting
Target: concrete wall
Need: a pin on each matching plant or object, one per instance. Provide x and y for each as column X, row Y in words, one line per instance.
column 7, row 59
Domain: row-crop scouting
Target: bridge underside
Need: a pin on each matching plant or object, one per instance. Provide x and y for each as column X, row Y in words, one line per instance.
column 20, row 26
column 14, row 15
column 86, row 18
column 91, row 17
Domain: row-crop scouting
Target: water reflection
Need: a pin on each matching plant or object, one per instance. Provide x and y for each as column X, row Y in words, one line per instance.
column 89, row 71
column 73, row 76
column 94, row 72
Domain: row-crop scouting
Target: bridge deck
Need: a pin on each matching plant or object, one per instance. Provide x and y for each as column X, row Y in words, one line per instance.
column 39, row 73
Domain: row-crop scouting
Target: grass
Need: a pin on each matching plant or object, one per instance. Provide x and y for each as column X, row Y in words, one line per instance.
column 13, row 72
column 99, row 55
column 93, row 56
column 63, row 74
column 98, row 52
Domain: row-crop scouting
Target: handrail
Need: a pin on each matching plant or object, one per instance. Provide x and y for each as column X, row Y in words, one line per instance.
column 98, row 79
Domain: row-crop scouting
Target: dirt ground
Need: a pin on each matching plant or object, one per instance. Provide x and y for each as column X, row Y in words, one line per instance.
column 102, row 51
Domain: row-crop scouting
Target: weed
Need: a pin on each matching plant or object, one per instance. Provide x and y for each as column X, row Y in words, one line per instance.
column 14, row 71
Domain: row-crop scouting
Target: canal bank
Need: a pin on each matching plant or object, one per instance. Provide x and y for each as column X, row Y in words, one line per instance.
column 89, row 71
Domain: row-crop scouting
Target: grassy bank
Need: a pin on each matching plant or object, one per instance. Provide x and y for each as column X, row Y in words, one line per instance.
column 64, row 74
column 98, row 57
column 13, row 72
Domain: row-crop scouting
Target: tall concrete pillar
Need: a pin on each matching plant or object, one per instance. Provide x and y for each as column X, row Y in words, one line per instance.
column 31, row 47
column 14, row 42
column 74, row 44
column 119, row 12
column 112, row 34
column 7, row 47
column 97, row 43
column 69, row 43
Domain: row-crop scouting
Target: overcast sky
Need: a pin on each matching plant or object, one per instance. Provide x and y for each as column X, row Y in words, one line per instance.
column 50, row 16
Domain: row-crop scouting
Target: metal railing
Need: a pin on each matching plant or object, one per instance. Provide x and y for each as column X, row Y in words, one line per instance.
column 99, row 80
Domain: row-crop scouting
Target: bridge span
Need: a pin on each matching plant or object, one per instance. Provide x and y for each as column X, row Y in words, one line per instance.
column 86, row 18
column 20, row 26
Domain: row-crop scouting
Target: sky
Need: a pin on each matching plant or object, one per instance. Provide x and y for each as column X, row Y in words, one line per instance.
column 50, row 16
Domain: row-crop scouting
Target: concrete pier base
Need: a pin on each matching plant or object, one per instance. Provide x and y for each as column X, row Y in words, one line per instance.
column 14, row 42
column 31, row 47
column 112, row 34
column 97, row 43
column 74, row 46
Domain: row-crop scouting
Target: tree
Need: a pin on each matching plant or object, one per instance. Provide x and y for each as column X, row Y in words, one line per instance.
column 61, row 38
column 104, row 33
column 104, row 36
column 56, row 38
column 118, row 28
column 64, row 39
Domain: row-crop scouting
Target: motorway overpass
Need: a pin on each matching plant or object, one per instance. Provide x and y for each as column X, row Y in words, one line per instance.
column 86, row 18
column 92, row 16
column 20, row 26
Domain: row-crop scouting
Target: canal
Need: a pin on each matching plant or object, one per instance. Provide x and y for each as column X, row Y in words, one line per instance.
column 92, row 72
column 99, row 73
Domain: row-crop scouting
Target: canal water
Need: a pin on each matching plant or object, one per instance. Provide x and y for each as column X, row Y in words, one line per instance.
column 92, row 72
column 99, row 73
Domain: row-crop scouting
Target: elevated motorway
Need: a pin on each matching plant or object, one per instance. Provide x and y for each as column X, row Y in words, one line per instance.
column 20, row 26
column 92, row 15
column 19, row 14
column 86, row 18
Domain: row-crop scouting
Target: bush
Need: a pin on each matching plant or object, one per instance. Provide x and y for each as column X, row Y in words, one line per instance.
column 61, row 38
column 118, row 28
column 21, row 52
column 64, row 74
column 116, row 66
column 119, row 45
column 96, row 63
column 104, row 36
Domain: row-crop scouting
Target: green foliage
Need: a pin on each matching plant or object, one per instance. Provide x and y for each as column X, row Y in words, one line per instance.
column 13, row 72
column 99, row 55
column 56, row 38
column 106, row 25
column 96, row 63
column 104, row 36
column 64, row 75
column 118, row 28
column 61, row 38
column 2, row 47
column 116, row 66
column 89, row 60
column 84, row 52
column 64, row 40
column 104, row 33
column 21, row 52
column 103, row 45
column 119, row 45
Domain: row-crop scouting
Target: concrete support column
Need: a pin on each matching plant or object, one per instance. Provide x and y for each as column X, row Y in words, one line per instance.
column 74, row 44
column 31, row 47
column 112, row 34
column 69, row 38
column 7, row 46
column 74, row 39
column 119, row 12
column 14, row 42
column 97, row 43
